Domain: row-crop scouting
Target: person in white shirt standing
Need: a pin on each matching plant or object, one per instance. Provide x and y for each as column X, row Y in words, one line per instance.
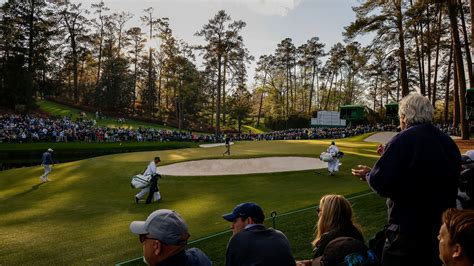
column 152, row 189
column 333, row 164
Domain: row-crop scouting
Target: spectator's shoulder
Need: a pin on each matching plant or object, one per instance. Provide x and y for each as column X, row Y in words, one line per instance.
column 195, row 257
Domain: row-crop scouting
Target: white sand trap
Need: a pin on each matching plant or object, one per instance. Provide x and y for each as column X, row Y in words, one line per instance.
column 241, row 166
column 381, row 137
column 384, row 137
column 213, row 145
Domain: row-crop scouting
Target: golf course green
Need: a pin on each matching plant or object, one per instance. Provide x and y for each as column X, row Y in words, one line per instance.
column 82, row 216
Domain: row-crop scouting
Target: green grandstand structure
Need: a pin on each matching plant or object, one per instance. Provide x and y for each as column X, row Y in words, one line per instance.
column 353, row 113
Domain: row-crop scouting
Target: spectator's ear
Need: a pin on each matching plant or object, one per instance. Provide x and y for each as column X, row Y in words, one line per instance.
column 158, row 247
column 457, row 251
column 249, row 220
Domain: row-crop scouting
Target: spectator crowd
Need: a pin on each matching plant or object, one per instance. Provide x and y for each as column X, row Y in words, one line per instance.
column 31, row 128
column 15, row 128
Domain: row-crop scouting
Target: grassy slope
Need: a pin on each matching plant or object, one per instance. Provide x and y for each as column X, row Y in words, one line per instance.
column 255, row 129
column 82, row 216
column 62, row 110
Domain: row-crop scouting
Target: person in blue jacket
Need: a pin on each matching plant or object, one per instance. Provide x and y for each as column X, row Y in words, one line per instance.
column 252, row 243
column 47, row 163
column 418, row 173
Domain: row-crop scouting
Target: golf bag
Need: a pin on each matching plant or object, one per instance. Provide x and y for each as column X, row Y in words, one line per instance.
column 140, row 181
column 325, row 156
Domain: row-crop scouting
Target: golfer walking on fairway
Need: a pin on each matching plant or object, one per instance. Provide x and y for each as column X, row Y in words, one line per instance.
column 227, row 146
column 152, row 190
column 47, row 162
column 333, row 164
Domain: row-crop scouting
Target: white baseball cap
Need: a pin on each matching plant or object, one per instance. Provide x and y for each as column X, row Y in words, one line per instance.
column 50, row 150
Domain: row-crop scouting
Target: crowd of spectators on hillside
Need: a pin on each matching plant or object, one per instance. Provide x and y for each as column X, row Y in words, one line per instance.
column 31, row 128
column 14, row 128
column 315, row 133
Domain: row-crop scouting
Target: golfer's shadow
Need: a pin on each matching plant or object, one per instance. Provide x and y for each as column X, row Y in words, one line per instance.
column 33, row 188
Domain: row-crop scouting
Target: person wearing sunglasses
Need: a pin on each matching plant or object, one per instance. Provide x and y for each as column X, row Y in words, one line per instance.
column 164, row 235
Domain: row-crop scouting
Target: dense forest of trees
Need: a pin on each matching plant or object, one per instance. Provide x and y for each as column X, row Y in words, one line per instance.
column 93, row 57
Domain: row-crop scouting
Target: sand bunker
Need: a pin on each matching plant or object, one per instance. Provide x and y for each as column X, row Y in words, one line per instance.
column 381, row 137
column 241, row 166
column 255, row 165
column 384, row 137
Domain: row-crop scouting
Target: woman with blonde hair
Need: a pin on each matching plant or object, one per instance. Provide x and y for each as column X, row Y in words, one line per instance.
column 334, row 220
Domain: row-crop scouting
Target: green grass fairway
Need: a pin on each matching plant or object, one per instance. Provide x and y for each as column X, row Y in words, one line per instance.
column 63, row 110
column 82, row 216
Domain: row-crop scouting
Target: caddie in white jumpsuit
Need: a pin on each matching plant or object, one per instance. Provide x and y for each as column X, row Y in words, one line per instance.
column 333, row 164
column 150, row 170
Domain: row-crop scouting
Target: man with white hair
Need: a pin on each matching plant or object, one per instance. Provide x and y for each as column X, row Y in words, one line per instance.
column 418, row 173
column 47, row 162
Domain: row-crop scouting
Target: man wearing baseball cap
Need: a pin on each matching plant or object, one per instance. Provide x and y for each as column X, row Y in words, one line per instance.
column 164, row 236
column 46, row 162
column 251, row 242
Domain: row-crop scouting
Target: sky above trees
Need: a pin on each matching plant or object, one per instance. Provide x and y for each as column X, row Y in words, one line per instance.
column 268, row 21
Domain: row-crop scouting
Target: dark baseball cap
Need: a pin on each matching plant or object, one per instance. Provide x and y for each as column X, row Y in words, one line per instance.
column 345, row 251
column 246, row 209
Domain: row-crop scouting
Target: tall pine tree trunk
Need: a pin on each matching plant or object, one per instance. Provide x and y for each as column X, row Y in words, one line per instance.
column 448, row 79
column 218, row 99
column 428, row 52
column 455, row 99
column 313, row 74
column 466, row 47
column 472, row 28
column 329, row 92
column 401, row 51
column 74, row 69
column 435, row 79
column 223, row 89
column 452, row 8
column 261, row 99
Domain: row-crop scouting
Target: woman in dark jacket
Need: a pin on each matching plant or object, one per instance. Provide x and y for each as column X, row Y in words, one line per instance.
column 334, row 220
